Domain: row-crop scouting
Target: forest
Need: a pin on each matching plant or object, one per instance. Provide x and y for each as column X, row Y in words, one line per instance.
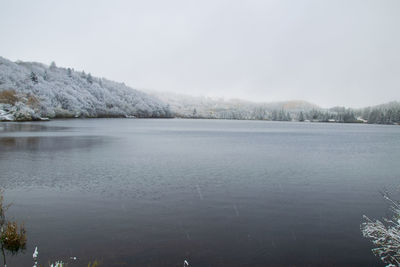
column 34, row 91
column 303, row 111
column 30, row 90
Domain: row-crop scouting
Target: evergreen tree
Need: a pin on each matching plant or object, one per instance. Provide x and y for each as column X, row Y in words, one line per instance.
column 397, row 116
column 301, row 116
column 373, row 116
column 53, row 65
column 89, row 78
column 288, row 117
column 274, row 115
column 34, row 78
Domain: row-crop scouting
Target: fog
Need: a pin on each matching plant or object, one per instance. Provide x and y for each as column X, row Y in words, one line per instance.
column 326, row 52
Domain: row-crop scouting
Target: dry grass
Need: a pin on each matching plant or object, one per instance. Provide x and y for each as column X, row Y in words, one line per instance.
column 8, row 97
column 13, row 237
column 32, row 102
column 96, row 263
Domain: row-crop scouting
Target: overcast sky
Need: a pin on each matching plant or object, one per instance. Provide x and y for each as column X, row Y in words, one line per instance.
column 327, row 52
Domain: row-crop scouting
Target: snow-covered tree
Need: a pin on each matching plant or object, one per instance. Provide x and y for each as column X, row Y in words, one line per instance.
column 68, row 94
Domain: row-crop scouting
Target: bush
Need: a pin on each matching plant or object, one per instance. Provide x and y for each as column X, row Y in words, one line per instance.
column 385, row 235
column 13, row 237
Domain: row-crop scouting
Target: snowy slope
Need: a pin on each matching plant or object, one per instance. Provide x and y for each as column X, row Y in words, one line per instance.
column 50, row 91
column 219, row 108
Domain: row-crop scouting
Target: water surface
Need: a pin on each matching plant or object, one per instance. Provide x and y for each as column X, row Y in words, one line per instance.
column 216, row 193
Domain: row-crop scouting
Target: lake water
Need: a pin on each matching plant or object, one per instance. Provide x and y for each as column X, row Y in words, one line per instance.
column 153, row 192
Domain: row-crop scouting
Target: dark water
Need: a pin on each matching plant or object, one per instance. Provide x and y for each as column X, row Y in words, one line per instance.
column 216, row 193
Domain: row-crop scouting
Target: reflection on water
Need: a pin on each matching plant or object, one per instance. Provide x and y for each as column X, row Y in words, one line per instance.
column 28, row 127
column 47, row 143
column 217, row 193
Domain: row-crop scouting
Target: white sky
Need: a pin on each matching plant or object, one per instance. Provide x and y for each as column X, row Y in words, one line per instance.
column 338, row 52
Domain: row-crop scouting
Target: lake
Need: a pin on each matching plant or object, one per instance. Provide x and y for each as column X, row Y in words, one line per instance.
column 154, row 192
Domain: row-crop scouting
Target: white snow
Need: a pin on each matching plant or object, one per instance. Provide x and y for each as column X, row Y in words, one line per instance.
column 45, row 91
column 35, row 253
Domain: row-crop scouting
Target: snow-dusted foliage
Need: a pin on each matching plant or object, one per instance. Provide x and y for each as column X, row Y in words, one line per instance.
column 50, row 91
column 385, row 235
column 35, row 260
column 220, row 108
column 18, row 112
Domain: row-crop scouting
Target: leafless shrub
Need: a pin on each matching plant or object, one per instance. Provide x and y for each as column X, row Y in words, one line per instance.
column 385, row 235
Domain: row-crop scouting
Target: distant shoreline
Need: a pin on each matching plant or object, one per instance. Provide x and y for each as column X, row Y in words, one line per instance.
column 188, row 118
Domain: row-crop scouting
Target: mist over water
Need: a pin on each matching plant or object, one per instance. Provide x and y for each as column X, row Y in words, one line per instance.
column 214, row 192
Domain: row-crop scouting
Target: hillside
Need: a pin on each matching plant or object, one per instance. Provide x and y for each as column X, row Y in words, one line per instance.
column 186, row 106
column 30, row 91
column 33, row 91
column 218, row 108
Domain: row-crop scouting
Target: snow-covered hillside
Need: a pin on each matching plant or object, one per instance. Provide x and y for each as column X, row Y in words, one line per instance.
column 186, row 106
column 219, row 108
column 30, row 90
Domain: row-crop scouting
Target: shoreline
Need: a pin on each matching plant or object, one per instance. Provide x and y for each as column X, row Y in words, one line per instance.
column 188, row 118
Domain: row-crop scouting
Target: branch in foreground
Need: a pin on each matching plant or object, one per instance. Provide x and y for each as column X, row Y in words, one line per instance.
column 385, row 235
